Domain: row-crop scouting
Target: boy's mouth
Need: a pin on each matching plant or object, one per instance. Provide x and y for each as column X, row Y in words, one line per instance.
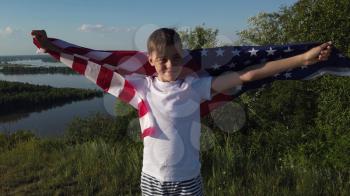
column 171, row 71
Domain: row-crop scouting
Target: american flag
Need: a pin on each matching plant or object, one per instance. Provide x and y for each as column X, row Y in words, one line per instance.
column 108, row 69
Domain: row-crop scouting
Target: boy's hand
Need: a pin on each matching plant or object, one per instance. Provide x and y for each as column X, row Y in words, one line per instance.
column 44, row 42
column 41, row 36
column 318, row 53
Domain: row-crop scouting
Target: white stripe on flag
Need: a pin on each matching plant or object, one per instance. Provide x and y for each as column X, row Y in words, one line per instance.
column 40, row 51
column 146, row 121
column 92, row 70
column 66, row 59
column 132, row 63
column 134, row 101
column 98, row 55
column 81, row 56
column 117, row 84
column 110, row 67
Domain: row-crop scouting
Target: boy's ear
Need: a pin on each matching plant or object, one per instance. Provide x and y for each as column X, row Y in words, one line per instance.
column 150, row 60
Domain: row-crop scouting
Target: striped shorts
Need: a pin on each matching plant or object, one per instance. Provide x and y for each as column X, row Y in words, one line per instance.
column 151, row 186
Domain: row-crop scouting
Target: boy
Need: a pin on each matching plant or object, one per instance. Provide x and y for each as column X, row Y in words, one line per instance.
column 171, row 157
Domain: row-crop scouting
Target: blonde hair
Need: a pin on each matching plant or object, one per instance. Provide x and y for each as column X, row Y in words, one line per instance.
column 161, row 38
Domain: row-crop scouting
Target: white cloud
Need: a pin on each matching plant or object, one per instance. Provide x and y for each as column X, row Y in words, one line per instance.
column 8, row 31
column 99, row 28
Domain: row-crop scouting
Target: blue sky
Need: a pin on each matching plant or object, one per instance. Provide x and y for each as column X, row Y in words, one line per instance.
column 124, row 25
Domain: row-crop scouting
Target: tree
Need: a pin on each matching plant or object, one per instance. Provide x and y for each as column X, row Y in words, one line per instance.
column 323, row 135
column 305, row 21
column 199, row 37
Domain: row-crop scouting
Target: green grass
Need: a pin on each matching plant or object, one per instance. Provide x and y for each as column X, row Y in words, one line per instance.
column 42, row 166
column 32, row 166
column 302, row 151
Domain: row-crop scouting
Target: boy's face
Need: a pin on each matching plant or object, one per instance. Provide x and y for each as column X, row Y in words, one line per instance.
column 168, row 63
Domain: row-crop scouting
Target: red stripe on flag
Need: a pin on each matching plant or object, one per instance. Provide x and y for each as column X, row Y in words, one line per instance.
column 36, row 42
column 56, row 55
column 217, row 101
column 112, row 59
column 104, row 78
column 127, row 93
column 79, row 65
column 147, row 132
column 142, row 108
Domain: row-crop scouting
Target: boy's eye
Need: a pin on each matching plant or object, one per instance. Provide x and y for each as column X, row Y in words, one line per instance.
column 162, row 60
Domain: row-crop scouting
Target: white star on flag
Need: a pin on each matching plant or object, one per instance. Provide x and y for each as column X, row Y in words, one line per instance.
column 216, row 66
column 204, row 52
column 220, row 52
column 253, row 52
column 270, row 51
column 288, row 50
column 235, row 52
column 288, row 75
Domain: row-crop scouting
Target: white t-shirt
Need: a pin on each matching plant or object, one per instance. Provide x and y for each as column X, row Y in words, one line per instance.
column 172, row 154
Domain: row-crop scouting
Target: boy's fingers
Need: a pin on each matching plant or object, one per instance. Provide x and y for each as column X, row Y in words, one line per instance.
column 326, row 45
column 325, row 53
column 323, row 57
column 38, row 33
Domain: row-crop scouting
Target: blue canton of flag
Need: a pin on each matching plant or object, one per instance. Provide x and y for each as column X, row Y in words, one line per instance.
column 216, row 61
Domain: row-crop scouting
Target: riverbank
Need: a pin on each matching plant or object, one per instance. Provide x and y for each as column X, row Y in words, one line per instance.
column 15, row 69
column 24, row 97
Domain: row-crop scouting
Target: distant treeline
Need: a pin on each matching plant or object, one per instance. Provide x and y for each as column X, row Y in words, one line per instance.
column 24, row 97
column 11, row 69
column 44, row 58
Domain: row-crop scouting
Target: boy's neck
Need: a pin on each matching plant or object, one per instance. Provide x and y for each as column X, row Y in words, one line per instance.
column 172, row 81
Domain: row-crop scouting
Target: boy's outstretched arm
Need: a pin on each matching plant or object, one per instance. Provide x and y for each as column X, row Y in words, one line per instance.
column 232, row 79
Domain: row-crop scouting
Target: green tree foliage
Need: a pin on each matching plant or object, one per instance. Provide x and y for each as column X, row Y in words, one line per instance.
column 199, row 37
column 306, row 120
column 305, row 21
column 263, row 28
column 9, row 69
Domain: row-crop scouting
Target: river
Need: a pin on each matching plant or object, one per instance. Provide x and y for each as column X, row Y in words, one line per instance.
column 52, row 122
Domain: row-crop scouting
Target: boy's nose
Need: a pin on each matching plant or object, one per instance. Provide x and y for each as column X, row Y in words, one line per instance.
column 171, row 63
